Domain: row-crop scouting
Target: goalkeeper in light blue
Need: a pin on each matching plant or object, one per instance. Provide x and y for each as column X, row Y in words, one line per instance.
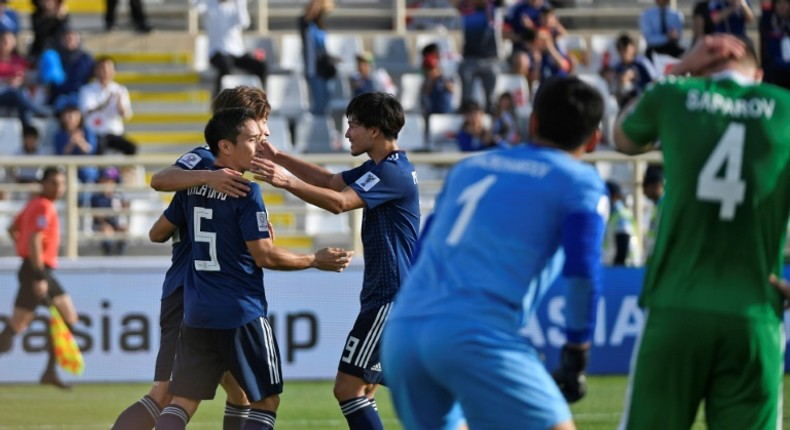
column 506, row 225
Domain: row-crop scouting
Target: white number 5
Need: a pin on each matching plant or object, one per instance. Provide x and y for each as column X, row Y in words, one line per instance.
column 209, row 237
column 730, row 190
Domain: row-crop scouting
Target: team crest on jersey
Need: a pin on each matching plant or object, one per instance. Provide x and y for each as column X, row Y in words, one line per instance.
column 190, row 160
column 368, row 181
column 263, row 221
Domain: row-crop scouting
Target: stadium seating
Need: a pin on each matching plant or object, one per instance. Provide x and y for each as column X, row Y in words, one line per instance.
column 316, row 134
column 412, row 136
column 287, row 95
column 10, row 135
column 235, row 80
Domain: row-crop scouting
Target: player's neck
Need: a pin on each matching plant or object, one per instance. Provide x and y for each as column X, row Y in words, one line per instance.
column 382, row 150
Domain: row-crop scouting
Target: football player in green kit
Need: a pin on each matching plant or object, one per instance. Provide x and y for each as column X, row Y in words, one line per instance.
column 713, row 326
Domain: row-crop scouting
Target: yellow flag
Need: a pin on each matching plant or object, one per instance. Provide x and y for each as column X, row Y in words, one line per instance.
column 66, row 350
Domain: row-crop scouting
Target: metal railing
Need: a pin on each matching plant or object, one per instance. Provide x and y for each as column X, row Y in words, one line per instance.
column 73, row 212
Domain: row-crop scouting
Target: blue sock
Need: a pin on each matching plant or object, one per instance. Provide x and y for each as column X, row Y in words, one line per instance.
column 235, row 416
column 360, row 414
column 260, row 420
column 141, row 415
column 173, row 417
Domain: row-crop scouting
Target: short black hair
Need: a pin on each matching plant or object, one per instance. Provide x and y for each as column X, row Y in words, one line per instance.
column 623, row 40
column 49, row 172
column 377, row 110
column 750, row 57
column 29, row 130
column 614, row 189
column 653, row 174
column 568, row 111
column 226, row 124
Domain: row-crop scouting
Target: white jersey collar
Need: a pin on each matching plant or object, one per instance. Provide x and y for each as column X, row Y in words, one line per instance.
column 740, row 78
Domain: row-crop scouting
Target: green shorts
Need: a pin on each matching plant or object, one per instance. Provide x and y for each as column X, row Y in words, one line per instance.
column 684, row 357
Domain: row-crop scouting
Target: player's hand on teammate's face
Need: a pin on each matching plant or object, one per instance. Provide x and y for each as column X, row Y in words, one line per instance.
column 265, row 170
column 332, row 259
column 265, row 149
column 229, row 181
column 783, row 287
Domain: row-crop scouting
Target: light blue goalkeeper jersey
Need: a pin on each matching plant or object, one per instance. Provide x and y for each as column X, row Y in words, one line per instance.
column 506, row 224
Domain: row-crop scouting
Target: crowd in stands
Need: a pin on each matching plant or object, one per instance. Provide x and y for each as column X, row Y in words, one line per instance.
column 65, row 99
column 522, row 42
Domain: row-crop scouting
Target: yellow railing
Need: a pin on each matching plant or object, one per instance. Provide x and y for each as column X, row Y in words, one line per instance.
column 156, row 162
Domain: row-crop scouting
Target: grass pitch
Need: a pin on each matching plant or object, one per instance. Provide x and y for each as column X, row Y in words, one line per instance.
column 304, row 406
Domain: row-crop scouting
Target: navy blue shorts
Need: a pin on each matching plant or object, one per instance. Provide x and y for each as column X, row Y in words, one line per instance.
column 249, row 352
column 360, row 357
column 171, row 313
column 25, row 297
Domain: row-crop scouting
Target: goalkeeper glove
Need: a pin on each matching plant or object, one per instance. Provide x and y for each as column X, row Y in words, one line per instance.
column 570, row 374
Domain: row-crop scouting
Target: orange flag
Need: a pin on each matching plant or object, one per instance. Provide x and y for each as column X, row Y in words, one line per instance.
column 66, row 350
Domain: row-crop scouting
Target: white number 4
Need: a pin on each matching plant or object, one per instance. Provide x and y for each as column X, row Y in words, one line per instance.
column 729, row 191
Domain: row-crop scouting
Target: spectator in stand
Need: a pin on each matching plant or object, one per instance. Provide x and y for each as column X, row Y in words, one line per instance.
column 703, row 24
column 9, row 19
column 504, row 126
column 225, row 22
column 77, row 65
column 73, row 138
column 522, row 21
column 548, row 19
column 138, row 16
column 436, row 94
column 109, row 225
column 619, row 246
column 30, row 147
column 368, row 79
column 432, row 23
column 319, row 66
column 12, row 80
column 481, row 32
column 633, row 72
column 546, row 59
column 473, row 135
column 775, row 41
column 662, row 28
column 105, row 105
column 731, row 16
column 49, row 20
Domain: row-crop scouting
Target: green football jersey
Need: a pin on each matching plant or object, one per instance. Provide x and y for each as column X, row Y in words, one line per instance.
column 726, row 145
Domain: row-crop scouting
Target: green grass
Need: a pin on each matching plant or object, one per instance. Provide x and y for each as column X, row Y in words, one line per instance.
column 305, row 405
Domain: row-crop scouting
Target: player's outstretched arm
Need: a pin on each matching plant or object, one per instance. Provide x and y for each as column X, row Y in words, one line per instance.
column 162, row 230
column 228, row 181
column 326, row 198
column 310, row 173
column 268, row 256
